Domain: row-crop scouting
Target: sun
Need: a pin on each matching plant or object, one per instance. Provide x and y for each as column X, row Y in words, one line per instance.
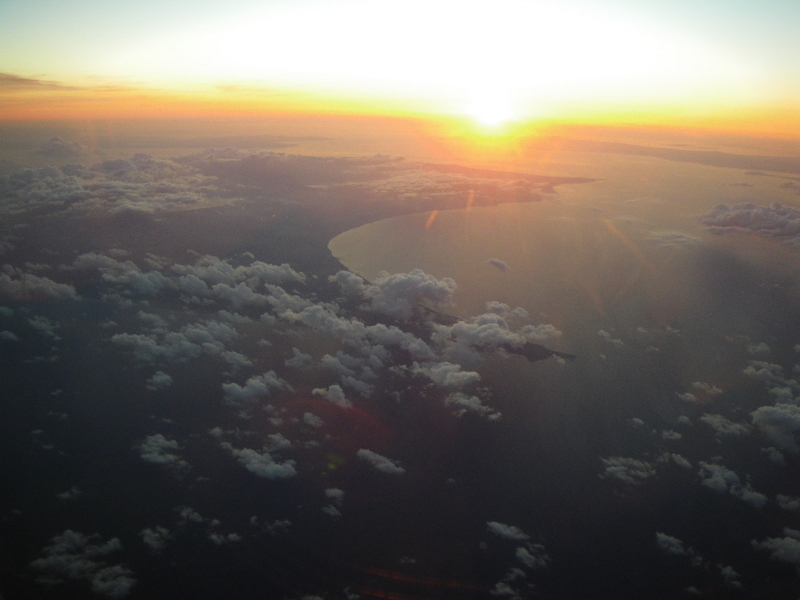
column 491, row 111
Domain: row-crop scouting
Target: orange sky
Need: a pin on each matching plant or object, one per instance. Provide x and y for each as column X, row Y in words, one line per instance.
column 488, row 67
column 46, row 100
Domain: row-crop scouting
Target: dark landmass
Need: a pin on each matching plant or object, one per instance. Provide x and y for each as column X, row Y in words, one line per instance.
column 782, row 164
column 474, row 172
column 244, row 142
column 281, row 208
column 534, row 352
column 761, row 174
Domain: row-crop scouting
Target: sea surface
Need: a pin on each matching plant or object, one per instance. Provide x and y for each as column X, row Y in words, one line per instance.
column 645, row 296
column 583, row 237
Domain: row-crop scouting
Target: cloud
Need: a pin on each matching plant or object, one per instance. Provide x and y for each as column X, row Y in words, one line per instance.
column 720, row 479
column 44, row 326
column 672, row 239
column 348, row 366
column 369, row 346
column 73, row 555
column 17, row 285
column 785, row 549
column 366, row 340
column 15, row 82
column 188, row 515
column 423, row 186
column 446, row 374
column 147, row 348
column 234, row 317
column 276, row 442
column 114, row 582
column 670, row 544
column 774, row 455
column 209, row 332
column 8, row 336
column 674, row 546
column 155, row 538
column 748, row 495
column 158, row 381
column 375, row 336
column 711, row 390
column 312, row 420
column 499, row 264
column 760, row 348
column 152, row 321
column 610, row 339
column 788, row 502
column 504, row 310
column 72, row 493
column 287, row 306
column 627, row 470
column 780, row 423
column 681, row 461
column 770, row 374
column 158, row 449
column 57, row 147
column 723, row 426
column 254, row 389
column 352, row 285
column 361, row 387
column 194, row 339
column 729, row 576
column 261, row 463
column 220, row 539
column 717, row 477
column 142, row 185
column 510, row 532
column 401, row 295
column 533, row 556
column 381, row 463
column 299, row 360
column 502, row 588
column 213, row 271
column 465, row 403
column 773, row 221
column 333, row 393
column 539, row 333
column 462, row 341
column 126, row 274
column 279, row 526
column 783, row 394
column 335, row 494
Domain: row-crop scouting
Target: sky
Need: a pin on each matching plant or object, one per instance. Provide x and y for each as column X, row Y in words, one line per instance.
column 719, row 64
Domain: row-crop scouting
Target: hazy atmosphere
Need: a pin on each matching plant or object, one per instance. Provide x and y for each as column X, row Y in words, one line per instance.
column 309, row 301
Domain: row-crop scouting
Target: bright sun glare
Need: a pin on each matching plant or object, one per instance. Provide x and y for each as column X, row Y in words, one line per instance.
column 459, row 46
column 490, row 111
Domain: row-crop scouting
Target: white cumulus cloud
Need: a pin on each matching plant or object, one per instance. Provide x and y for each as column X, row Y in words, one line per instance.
column 381, row 463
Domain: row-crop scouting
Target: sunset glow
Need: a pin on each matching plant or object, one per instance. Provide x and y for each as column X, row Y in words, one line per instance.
column 509, row 61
